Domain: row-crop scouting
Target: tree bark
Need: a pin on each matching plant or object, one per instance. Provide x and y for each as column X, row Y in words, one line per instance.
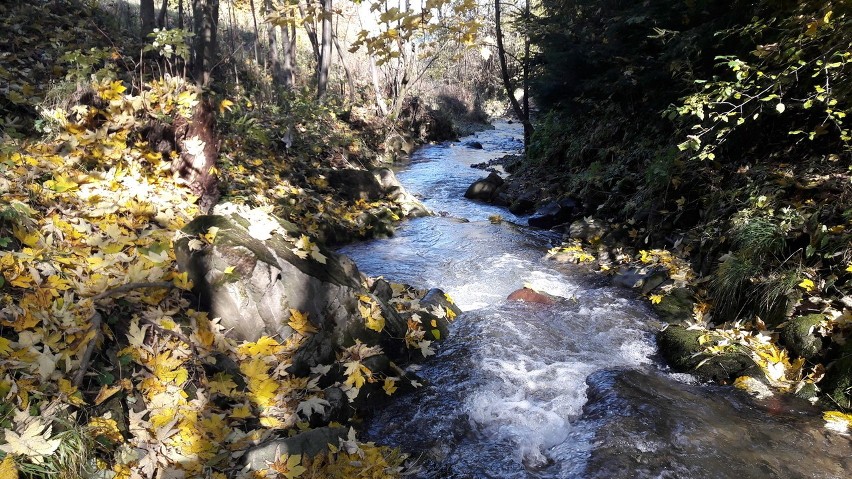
column 161, row 18
column 205, row 16
column 349, row 80
column 199, row 149
column 521, row 113
column 377, row 88
column 146, row 14
column 325, row 49
column 274, row 56
column 180, row 14
column 312, row 33
column 288, row 55
column 256, row 31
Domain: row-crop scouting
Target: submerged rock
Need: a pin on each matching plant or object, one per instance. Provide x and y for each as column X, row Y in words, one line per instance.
column 475, row 145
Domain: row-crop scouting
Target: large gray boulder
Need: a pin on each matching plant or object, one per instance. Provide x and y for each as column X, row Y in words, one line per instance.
column 307, row 444
column 251, row 269
column 485, row 189
column 353, row 185
column 253, row 273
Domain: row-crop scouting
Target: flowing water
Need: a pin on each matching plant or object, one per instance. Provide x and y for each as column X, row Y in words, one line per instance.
column 571, row 390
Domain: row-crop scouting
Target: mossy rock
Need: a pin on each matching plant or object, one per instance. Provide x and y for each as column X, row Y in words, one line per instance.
column 681, row 349
column 798, row 336
column 837, row 384
column 675, row 306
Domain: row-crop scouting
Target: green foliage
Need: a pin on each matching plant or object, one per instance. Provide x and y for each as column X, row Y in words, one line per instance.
column 798, row 72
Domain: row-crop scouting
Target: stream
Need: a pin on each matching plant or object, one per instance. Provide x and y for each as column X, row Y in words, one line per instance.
column 571, row 390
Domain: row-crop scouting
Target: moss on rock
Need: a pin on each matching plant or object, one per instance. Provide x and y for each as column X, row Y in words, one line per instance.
column 682, row 350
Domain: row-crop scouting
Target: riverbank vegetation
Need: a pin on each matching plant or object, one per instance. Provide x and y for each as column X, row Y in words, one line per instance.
column 717, row 133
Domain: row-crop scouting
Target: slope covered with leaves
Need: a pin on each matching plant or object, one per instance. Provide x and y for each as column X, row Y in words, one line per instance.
column 716, row 132
column 106, row 369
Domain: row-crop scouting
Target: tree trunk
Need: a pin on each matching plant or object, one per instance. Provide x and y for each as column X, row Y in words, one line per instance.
column 161, row 18
column 312, row 34
column 205, row 16
column 256, row 31
column 377, row 88
column 523, row 115
column 180, row 14
column 528, row 129
column 274, row 57
column 325, row 49
column 288, row 55
column 199, row 149
column 349, row 80
column 146, row 13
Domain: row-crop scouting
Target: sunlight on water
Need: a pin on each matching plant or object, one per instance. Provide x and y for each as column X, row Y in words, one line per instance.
column 524, row 391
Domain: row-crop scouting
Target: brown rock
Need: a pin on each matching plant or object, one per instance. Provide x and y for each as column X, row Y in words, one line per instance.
column 531, row 296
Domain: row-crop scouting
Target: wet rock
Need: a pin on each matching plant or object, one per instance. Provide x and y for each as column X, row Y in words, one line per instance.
column 438, row 314
column 309, row 443
column 484, row 189
column 531, row 296
column 373, row 185
column 798, row 335
column 475, row 145
column 555, row 213
column 643, row 279
column 837, row 383
column 523, row 204
column 676, row 306
column 393, row 189
column 587, row 229
column 680, row 347
column 648, row 425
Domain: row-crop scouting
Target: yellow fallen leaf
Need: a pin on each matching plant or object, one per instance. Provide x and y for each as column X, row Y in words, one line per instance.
column 8, row 469
column 807, row 285
column 105, row 393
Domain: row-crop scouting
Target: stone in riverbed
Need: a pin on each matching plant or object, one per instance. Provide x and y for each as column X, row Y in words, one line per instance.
column 529, row 295
column 485, row 189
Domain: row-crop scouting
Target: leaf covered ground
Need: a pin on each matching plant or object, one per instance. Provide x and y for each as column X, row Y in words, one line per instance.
column 106, row 370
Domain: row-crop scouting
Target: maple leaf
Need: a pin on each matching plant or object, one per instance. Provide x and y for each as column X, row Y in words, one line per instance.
column 289, row 466
column 390, row 386
column 807, row 284
column 299, row 322
column 264, row 346
column 33, row 442
column 656, row 298
column 194, row 146
column 312, row 405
